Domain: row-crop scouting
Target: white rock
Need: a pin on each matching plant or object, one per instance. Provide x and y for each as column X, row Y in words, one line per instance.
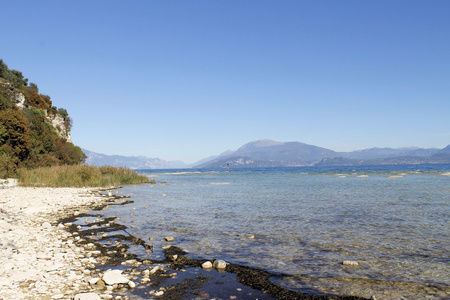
column 169, row 238
column 207, row 265
column 93, row 281
column 87, row 296
column 159, row 294
column 350, row 263
column 131, row 284
column 220, row 264
column 114, row 276
column 153, row 271
column 46, row 225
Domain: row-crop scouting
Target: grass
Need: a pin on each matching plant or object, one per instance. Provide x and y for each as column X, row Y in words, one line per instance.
column 79, row 176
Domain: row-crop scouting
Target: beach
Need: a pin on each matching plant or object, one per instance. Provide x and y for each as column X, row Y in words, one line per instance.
column 46, row 254
column 39, row 258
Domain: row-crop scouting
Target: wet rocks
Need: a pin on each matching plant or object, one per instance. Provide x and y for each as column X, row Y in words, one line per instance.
column 350, row 263
column 169, row 238
column 220, row 264
column 207, row 265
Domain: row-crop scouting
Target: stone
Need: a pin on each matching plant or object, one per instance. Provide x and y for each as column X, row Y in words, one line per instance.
column 113, row 277
column 207, row 265
column 220, row 264
column 87, row 296
column 350, row 263
column 169, row 238
column 47, row 225
column 131, row 284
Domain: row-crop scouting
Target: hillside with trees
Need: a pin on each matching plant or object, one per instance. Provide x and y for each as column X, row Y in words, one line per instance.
column 33, row 132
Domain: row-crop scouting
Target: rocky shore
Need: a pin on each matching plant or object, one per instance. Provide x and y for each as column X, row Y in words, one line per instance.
column 39, row 258
column 52, row 246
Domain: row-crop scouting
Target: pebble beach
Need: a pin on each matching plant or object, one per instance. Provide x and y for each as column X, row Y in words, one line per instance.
column 39, row 258
column 44, row 255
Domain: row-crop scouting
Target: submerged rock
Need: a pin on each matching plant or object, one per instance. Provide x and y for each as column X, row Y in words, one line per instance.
column 169, row 238
column 350, row 263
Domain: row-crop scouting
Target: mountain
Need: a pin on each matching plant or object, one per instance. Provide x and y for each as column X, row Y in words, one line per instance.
column 132, row 162
column 269, row 153
column 373, row 153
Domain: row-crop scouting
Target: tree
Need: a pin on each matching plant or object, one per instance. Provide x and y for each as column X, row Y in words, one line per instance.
column 17, row 139
column 34, row 87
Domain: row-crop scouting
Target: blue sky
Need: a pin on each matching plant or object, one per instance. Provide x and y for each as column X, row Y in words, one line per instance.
column 183, row 80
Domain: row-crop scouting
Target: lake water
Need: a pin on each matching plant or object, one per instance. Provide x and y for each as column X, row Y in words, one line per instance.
column 302, row 223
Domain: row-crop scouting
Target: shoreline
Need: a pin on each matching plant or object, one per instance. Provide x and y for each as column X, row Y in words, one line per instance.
column 53, row 247
column 39, row 258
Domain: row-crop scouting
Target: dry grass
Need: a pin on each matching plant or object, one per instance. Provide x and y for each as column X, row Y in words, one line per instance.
column 79, row 176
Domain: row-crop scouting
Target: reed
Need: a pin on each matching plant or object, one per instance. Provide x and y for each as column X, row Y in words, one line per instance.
column 79, row 176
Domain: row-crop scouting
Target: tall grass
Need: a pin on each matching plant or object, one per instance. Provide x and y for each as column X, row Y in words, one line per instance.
column 79, row 176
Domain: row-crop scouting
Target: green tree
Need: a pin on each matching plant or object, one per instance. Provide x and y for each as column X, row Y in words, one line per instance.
column 34, row 87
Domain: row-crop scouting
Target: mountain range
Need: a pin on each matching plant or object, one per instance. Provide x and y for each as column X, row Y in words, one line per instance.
column 132, row 162
column 269, row 153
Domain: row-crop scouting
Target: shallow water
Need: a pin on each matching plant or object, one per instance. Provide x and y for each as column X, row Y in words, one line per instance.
column 303, row 223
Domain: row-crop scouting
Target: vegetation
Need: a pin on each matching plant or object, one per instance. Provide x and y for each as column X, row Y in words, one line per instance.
column 79, row 176
column 28, row 139
column 37, row 152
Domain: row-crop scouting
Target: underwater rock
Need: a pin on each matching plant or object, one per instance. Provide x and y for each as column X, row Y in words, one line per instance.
column 350, row 263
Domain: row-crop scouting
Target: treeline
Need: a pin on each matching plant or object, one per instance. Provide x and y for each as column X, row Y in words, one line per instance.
column 28, row 139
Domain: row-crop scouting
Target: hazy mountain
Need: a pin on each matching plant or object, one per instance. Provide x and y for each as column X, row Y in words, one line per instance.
column 269, row 153
column 132, row 162
column 373, row 153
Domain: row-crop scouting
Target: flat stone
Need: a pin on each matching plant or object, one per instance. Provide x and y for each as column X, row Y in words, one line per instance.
column 114, row 276
column 169, row 238
column 87, row 296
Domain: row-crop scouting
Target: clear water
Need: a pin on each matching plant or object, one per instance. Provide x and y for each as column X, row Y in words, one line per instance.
column 303, row 223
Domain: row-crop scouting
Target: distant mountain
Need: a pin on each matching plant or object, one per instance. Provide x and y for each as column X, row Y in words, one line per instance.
column 132, row 162
column 373, row 153
column 269, row 153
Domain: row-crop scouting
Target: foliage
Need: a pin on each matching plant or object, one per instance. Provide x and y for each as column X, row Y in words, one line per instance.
column 27, row 136
column 34, row 87
column 37, row 100
column 79, row 176
column 14, row 76
column 16, row 141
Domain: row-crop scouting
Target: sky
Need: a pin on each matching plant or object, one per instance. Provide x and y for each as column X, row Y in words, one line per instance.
column 184, row 80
